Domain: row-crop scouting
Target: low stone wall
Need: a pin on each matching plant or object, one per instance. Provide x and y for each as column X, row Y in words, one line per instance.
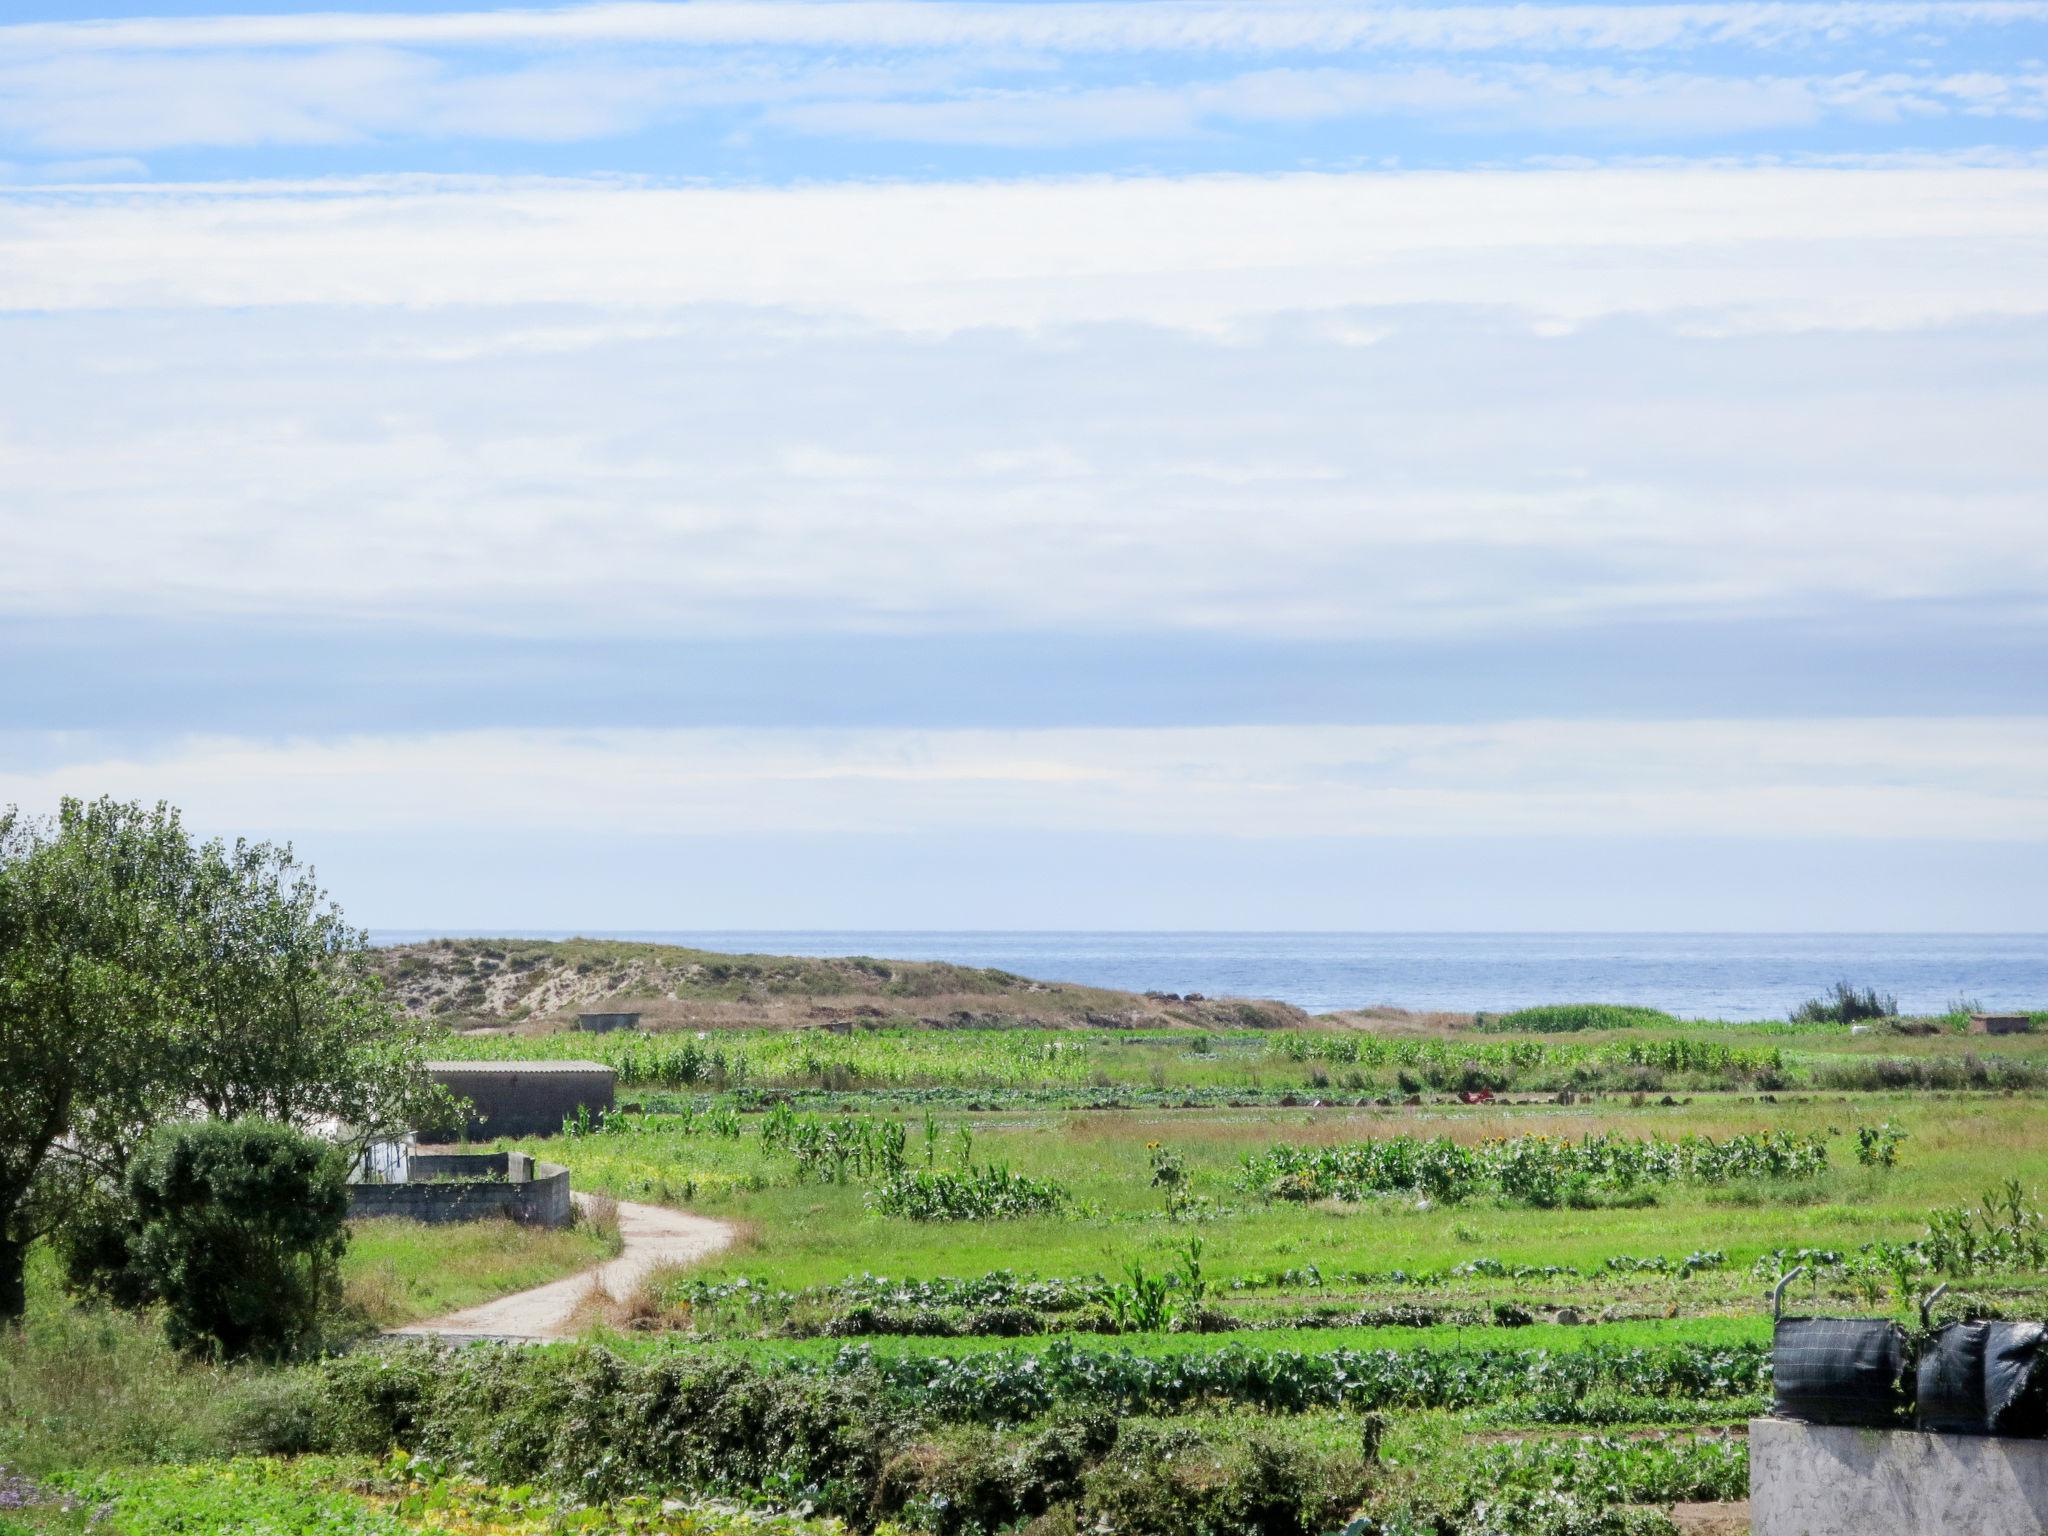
column 1817, row 1480
column 470, row 1186
column 520, row 1098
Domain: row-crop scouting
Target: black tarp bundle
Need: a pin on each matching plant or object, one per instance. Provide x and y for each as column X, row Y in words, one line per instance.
column 1840, row 1370
column 1985, row 1379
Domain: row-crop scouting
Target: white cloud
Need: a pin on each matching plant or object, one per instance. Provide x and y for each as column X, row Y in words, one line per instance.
column 1183, row 26
column 1380, row 472
column 1725, row 247
column 1889, row 779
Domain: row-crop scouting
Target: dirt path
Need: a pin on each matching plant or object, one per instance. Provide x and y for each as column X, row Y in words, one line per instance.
column 653, row 1237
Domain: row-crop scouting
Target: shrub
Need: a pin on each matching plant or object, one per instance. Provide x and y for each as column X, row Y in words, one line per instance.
column 1845, row 1005
column 1169, row 1482
column 1568, row 1018
column 1869, row 1074
column 238, row 1227
column 977, row 1194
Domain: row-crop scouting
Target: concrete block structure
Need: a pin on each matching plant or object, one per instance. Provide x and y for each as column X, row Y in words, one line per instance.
column 1818, row 1480
column 2000, row 1023
column 520, row 1098
column 604, row 1023
column 470, row 1186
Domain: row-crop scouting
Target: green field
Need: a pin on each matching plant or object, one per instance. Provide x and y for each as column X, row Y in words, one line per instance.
column 1063, row 1277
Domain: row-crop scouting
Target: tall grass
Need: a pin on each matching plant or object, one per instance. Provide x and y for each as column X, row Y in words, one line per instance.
column 1846, row 1005
column 1568, row 1018
column 90, row 1386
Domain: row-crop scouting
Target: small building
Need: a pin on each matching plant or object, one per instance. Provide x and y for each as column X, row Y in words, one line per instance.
column 520, row 1098
column 605, row 1023
column 2000, row 1023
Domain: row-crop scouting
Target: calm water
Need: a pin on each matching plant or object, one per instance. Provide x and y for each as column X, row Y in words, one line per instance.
column 1698, row 975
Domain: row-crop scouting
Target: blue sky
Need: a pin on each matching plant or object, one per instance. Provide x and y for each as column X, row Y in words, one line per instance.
column 895, row 463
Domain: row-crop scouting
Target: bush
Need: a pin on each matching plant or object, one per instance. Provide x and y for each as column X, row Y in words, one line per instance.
column 1170, row 1482
column 1568, row 1018
column 604, row 1427
column 1846, row 1006
column 978, row 1194
column 238, row 1227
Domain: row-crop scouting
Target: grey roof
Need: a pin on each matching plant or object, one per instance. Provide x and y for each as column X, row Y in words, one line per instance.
column 517, row 1066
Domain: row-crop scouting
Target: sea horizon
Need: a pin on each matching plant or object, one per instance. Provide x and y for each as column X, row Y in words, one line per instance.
column 1730, row 975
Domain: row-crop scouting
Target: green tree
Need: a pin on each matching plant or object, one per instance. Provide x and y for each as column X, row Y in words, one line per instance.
column 238, row 1227
column 87, row 925
column 147, row 978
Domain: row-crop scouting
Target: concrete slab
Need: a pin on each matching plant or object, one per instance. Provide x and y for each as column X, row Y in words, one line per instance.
column 1816, row 1480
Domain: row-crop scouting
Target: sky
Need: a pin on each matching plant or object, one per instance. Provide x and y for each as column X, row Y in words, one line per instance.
column 1235, row 464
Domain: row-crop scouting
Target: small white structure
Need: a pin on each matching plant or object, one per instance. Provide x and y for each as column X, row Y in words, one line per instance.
column 1819, row 1480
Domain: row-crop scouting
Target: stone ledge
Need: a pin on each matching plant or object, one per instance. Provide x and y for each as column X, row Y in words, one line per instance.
column 1819, row 1480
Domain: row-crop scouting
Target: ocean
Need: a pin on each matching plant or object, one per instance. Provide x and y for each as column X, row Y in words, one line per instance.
column 1695, row 975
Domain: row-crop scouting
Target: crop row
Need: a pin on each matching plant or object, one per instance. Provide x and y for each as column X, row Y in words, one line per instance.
column 1539, row 1170
column 1012, row 1386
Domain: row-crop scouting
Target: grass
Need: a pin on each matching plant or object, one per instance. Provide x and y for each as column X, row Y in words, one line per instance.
column 1715, row 1332
column 398, row 1272
column 1036, row 1066
column 94, row 1406
column 354, row 1496
column 814, row 1234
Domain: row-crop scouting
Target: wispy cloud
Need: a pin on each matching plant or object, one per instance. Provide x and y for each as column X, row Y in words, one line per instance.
column 1149, row 26
column 1382, row 472
column 1789, row 248
column 1053, row 76
column 1891, row 779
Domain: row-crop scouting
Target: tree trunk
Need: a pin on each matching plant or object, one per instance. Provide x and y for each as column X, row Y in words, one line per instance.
column 13, row 1279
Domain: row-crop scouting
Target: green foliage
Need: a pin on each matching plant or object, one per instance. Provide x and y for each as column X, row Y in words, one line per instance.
column 978, row 1193
column 1169, row 1480
column 1567, row 1018
column 238, row 1227
column 85, row 1386
column 326, row 1496
column 834, row 1151
column 608, row 1429
column 145, row 977
column 2005, row 1231
column 1538, row 1169
column 1011, row 1385
column 1544, row 1487
column 1941, row 1074
column 1846, row 1005
column 1877, row 1146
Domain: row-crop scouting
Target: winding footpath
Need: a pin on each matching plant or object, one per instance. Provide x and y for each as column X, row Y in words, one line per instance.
column 653, row 1236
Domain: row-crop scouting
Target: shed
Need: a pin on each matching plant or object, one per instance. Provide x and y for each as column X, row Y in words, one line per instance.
column 2000, row 1023
column 521, row 1098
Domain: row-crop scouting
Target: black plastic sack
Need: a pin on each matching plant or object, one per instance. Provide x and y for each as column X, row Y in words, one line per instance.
column 2016, row 1378
column 1950, row 1399
column 1839, row 1370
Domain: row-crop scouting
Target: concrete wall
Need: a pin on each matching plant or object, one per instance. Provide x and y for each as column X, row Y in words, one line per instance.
column 2001, row 1023
column 540, row 1199
column 523, row 1098
column 1814, row 1480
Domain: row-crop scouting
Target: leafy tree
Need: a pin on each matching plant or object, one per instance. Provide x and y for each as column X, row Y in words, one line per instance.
column 239, row 1228
column 146, row 978
column 87, row 921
